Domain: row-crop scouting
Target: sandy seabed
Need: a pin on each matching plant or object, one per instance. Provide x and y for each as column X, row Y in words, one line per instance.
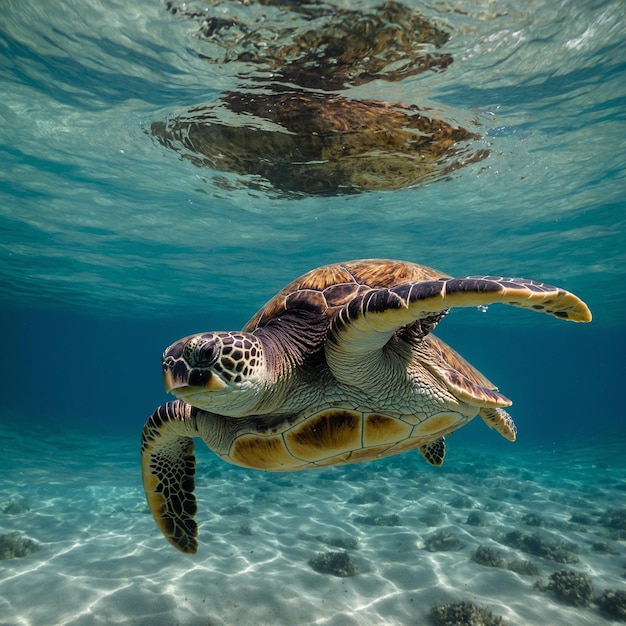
column 408, row 533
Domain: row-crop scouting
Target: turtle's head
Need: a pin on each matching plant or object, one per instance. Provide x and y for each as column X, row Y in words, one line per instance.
column 219, row 372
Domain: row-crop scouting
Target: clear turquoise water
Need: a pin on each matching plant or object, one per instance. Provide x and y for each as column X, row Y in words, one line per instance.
column 111, row 246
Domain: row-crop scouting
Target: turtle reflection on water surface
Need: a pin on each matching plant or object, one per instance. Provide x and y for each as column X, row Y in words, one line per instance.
column 339, row 367
column 319, row 144
column 317, row 45
column 288, row 129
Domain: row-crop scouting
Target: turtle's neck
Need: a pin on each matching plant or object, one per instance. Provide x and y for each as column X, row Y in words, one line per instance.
column 291, row 339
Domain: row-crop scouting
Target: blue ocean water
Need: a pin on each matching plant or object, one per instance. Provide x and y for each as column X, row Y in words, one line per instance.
column 112, row 246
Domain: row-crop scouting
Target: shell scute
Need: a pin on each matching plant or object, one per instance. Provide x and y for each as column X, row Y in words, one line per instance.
column 384, row 273
column 439, row 425
column 381, row 429
column 268, row 453
column 325, row 435
column 307, row 300
column 338, row 295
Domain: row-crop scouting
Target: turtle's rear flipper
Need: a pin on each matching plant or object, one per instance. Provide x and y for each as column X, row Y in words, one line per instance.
column 500, row 420
column 435, row 451
column 168, row 467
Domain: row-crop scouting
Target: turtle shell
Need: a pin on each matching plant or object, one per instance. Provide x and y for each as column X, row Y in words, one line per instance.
column 328, row 288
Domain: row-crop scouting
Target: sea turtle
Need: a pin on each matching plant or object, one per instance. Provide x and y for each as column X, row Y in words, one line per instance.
column 339, row 367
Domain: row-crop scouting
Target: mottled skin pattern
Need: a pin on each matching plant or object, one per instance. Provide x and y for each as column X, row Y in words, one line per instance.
column 339, row 367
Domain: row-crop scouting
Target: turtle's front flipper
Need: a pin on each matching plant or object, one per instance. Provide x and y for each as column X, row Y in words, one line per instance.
column 367, row 322
column 168, row 466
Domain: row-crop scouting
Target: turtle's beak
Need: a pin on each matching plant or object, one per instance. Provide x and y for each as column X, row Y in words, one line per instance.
column 192, row 380
column 179, row 377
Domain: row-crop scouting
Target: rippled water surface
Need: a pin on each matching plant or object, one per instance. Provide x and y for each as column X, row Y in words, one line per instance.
column 96, row 213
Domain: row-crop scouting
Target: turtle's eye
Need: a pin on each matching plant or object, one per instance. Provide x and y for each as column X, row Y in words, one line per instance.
column 202, row 351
